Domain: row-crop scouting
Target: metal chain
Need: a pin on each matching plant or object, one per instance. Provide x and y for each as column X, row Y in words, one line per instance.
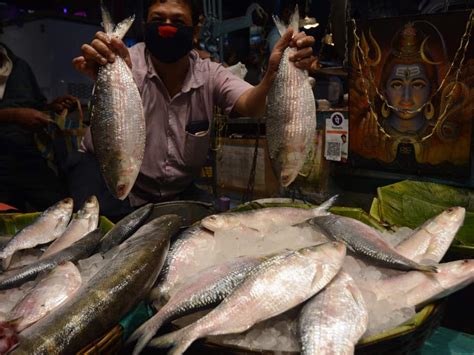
column 461, row 51
column 251, row 182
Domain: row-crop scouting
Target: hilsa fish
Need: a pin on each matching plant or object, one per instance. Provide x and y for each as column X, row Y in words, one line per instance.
column 429, row 242
column 266, row 219
column 47, row 227
column 271, row 288
column 290, row 116
column 107, row 297
column 367, row 242
column 334, row 320
column 207, row 288
column 85, row 221
column 117, row 120
column 48, row 294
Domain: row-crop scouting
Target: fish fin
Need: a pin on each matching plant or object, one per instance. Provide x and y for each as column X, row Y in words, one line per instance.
column 167, row 340
column 427, row 268
column 6, row 262
column 295, row 20
column 323, row 208
column 107, row 22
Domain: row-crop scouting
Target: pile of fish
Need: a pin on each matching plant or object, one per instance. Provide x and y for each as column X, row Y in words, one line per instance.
column 290, row 116
column 60, row 311
column 303, row 268
column 331, row 301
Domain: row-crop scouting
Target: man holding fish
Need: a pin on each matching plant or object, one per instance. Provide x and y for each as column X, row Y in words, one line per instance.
column 178, row 91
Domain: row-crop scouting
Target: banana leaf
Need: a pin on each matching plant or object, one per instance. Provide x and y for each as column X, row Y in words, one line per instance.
column 411, row 203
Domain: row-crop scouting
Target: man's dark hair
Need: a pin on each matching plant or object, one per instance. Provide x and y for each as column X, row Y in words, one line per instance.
column 194, row 5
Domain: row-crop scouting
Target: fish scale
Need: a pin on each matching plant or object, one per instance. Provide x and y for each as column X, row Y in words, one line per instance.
column 290, row 116
column 117, row 119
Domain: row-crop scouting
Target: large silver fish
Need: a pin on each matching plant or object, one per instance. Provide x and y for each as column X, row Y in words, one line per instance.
column 48, row 294
column 367, row 242
column 181, row 254
column 290, row 116
column 334, row 320
column 430, row 241
column 107, row 297
column 209, row 287
column 46, row 228
column 418, row 288
column 265, row 219
column 272, row 287
column 117, row 120
column 79, row 250
column 85, row 221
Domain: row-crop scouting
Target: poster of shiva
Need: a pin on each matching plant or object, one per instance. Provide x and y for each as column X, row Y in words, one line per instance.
column 411, row 94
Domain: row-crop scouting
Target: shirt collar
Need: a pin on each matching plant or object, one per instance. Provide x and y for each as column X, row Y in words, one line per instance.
column 195, row 77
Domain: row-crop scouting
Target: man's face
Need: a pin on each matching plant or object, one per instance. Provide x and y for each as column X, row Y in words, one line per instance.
column 171, row 11
column 408, row 88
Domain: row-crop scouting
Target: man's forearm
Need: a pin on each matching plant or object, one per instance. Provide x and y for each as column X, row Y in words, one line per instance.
column 252, row 103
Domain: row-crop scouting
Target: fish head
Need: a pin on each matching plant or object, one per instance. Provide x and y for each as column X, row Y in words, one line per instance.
column 121, row 175
column 287, row 176
column 448, row 220
column 217, row 222
column 330, row 250
column 63, row 208
column 455, row 275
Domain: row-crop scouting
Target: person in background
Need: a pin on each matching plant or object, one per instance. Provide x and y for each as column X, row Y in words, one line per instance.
column 26, row 181
column 179, row 91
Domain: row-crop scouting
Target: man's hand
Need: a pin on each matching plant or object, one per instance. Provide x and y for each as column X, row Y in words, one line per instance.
column 62, row 103
column 29, row 119
column 102, row 50
column 302, row 58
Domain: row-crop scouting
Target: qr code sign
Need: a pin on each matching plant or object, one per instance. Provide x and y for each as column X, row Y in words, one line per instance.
column 333, row 151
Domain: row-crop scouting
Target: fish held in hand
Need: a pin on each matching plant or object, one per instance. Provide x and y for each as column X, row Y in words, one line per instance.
column 117, row 119
column 290, row 115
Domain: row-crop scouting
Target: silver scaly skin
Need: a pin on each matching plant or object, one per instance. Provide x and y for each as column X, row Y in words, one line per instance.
column 290, row 115
column 271, row 288
column 366, row 242
column 431, row 240
column 180, row 255
column 48, row 294
column 419, row 288
column 79, row 250
column 117, row 120
column 334, row 320
column 265, row 219
column 208, row 288
column 122, row 283
column 47, row 227
column 85, row 221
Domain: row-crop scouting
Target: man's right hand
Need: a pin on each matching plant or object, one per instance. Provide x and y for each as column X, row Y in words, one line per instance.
column 29, row 119
column 102, row 50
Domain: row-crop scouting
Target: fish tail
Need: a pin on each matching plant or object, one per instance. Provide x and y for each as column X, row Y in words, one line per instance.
column 279, row 25
column 107, row 22
column 295, row 20
column 322, row 209
column 122, row 28
column 181, row 347
column 167, row 340
column 145, row 332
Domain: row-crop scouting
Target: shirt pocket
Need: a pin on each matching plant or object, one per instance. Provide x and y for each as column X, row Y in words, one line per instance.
column 196, row 148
